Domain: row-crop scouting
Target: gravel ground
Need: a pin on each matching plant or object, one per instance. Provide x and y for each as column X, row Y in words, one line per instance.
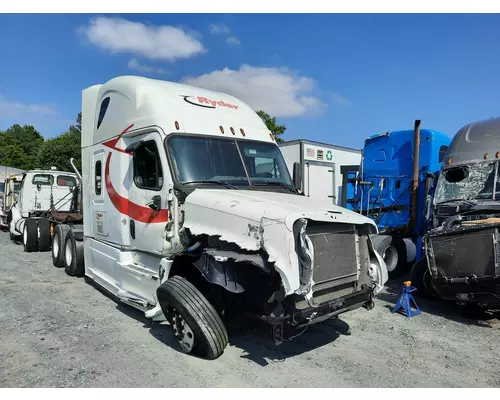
column 59, row 331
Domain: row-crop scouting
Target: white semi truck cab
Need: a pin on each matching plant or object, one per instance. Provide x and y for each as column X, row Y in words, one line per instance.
column 190, row 214
column 41, row 192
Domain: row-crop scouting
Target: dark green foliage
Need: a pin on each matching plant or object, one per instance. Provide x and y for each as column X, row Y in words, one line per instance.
column 19, row 147
column 23, row 147
column 271, row 124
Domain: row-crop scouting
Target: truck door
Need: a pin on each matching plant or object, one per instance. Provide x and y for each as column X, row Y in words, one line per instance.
column 147, row 202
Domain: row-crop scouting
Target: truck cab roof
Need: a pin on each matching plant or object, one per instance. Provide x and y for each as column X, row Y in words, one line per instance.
column 475, row 142
column 174, row 107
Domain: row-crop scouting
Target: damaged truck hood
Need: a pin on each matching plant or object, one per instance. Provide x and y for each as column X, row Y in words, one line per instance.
column 256, row 220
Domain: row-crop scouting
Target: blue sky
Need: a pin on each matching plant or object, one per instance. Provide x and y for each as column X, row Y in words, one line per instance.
column 332, row 78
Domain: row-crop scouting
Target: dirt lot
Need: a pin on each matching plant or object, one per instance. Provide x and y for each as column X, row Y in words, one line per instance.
column 59, row 331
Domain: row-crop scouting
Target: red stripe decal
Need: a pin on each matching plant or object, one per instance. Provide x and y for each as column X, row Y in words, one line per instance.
column 124, row 205
column 112, row 143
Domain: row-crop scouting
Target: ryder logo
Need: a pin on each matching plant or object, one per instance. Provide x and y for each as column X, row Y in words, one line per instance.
column 207, row 103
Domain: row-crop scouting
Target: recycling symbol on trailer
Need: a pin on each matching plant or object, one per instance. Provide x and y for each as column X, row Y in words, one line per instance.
column 329, row 155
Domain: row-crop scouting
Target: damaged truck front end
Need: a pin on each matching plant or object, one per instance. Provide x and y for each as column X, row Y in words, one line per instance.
column 339, row 272
column 262, row 254
column 463, row 249
column 464, row 261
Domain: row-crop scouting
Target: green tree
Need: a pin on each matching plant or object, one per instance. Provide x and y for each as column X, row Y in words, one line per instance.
column 78, row 125
column 58, row 151
column 19, row 146
column 271, row 124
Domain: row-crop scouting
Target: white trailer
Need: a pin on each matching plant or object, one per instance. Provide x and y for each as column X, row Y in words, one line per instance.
column 320, row 165
column 40, row 192
column 190, row 215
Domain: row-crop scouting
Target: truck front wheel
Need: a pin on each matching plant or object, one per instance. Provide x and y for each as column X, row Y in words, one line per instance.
column 196, row 325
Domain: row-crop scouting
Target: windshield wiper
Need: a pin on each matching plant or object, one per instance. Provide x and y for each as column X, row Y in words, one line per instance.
column 263, row 183
column 221, row 183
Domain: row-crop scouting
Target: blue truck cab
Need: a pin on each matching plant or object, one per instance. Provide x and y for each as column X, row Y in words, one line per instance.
column 392, row 186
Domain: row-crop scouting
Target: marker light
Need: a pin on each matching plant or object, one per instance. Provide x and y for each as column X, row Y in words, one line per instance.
column 497, row 154
column 232, row 130
column 221, row 129
column 176, row 125
column 242, row 132
column 485, row 156
column 271, row 136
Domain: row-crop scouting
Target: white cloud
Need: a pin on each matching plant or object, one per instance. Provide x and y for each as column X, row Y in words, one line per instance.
column 223, row 29
column 14, row 109
column 233, row 40
column 340, row 100
column 219, row 28
column 161, row 42
column 277, row 91
column 136, row 66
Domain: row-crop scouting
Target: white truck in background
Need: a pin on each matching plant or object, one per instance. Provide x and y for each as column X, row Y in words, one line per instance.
column 8, row 196
column 190, row 215
column 41, row 192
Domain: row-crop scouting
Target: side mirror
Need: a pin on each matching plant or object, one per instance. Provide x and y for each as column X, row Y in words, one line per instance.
column 132, row 147
column 297, row 175
column 155, row 203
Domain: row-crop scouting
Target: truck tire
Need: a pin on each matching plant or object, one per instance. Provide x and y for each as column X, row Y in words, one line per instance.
column 60, row 233
column 420, row 278
column 73, row 255
column 393, row 251
column 44, row 234
column 30, row 235
column 196, row 325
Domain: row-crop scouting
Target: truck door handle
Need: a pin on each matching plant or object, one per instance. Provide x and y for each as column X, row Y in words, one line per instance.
column 132, row 228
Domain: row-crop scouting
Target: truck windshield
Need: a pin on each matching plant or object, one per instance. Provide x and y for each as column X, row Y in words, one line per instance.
column 200, row 159
column 468, row 182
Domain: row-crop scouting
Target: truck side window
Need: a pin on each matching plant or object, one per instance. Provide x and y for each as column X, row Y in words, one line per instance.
column 43, row 179
column 102, row 111
column 98, row 177
column 148, row 172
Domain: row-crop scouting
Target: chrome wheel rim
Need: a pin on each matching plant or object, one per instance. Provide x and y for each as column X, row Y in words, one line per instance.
column 55, row 246
column 68, row 255
column 182, row 331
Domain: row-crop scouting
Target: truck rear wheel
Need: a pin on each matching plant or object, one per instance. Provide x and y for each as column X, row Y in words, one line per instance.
column 60, row 233
column 196, row 325
column 44, row 234
column 30, row 235
column 73, row 255
column 393, row 251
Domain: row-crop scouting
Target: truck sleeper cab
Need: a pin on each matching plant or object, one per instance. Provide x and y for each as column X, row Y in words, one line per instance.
column 190, row 215
column 383, row 189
